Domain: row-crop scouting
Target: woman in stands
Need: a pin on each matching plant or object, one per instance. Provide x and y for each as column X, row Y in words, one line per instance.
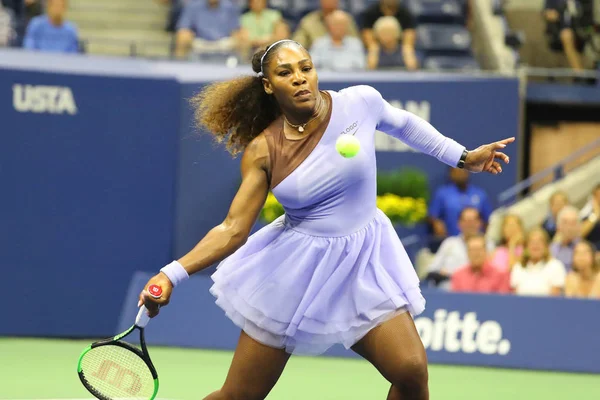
column 332, row 269
column 538, row 273
column 584, row 280
column 510, row 248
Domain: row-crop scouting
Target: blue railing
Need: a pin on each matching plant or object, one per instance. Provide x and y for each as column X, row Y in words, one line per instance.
column 557, row 171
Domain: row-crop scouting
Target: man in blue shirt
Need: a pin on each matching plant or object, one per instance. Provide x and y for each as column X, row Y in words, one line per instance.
column 215, row 22
column 51, row 32
column 450, row 199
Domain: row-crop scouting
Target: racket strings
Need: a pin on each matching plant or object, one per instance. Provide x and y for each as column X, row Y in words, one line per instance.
column 117, row 373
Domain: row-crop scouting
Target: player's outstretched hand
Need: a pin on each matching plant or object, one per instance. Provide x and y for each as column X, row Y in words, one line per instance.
column 487, row 157
column 153, row 304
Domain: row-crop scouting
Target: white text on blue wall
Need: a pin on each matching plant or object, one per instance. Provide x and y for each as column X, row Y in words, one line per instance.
column 42, row 99
column 449, row 332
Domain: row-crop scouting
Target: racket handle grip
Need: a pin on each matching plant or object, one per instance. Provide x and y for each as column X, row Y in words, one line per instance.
column 142, row 318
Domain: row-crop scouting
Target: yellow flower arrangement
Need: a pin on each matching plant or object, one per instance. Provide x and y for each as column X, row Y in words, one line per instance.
column 403, row 210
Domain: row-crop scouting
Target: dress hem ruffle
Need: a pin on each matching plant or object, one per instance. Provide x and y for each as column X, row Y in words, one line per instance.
column 294, row 340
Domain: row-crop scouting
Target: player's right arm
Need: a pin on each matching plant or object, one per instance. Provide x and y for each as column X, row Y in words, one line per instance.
column 225, row 238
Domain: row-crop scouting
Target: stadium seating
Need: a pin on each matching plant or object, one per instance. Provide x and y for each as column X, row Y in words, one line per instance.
column 438, row 38
column 456, row 63
column 436, row 11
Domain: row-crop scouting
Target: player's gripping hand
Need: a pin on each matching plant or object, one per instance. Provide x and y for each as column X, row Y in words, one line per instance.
column 153, row 303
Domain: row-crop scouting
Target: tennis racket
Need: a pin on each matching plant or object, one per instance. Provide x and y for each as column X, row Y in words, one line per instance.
column 114, row 369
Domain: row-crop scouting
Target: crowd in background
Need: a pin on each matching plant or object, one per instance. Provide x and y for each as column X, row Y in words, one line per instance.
column 559, row 257
column 341, row 34
column 380, row 36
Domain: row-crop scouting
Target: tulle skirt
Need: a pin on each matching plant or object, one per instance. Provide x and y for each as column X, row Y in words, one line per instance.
column 304, row 293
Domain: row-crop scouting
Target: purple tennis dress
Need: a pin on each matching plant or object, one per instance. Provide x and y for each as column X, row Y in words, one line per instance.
column 332, row 268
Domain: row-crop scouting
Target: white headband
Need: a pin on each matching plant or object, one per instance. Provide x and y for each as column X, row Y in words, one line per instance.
column 261, row 73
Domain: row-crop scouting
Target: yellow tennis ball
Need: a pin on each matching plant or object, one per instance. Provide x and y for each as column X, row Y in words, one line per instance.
column 347, row 145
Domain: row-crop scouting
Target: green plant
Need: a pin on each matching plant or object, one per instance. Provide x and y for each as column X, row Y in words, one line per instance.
column 406, row 182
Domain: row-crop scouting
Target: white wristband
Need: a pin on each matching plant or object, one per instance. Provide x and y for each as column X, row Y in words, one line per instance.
column 175, row 272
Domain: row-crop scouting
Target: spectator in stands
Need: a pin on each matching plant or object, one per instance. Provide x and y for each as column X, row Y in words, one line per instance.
column 510, row 249
column 7, row 26
column 568, row 233
column 391, row 8
column 17, row 8
column 387, row 52
column 452, row 253
column 214, row 24
column 558, row 200
column 538, row 273
column 479, row 275
column 337, row 51
column 312, row 25
column 561, row 18
column 590, row 214
column 584, row 280
column 52, row 32
column 175, row 9
column 33, row 8
column 450, row 199
column 261, row 26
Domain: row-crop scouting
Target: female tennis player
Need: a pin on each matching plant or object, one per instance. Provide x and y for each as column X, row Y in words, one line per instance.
column 332, row 269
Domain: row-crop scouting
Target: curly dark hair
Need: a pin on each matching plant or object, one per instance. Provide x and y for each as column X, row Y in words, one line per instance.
column 238, row 110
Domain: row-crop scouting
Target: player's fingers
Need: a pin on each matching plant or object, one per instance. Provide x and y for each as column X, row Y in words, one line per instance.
column 141, row 299
column 502, row 143
column 496, row 167
column 507, row 140
column 501, row 156
column 150, row 305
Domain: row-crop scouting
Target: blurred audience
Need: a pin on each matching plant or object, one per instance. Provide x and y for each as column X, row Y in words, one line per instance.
column 568, row 233
column 558, row 200
column 17, row 9
column 590, row 214
column 337, row 51
column 312, row 26
column 208, row 25
column 450, row 199
column 584, row 280
column 538, row 273
column 561, row 19
column 510, row 249
column 452, row 253
column 33, row 8
column 176, row 7
column 261, row 26
column 391, row 8
column 7, row 26
column 386, row 52
column 480, row 274
column 52, row 32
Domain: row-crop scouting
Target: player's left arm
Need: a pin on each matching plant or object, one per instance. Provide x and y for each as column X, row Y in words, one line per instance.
column 422, row 136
